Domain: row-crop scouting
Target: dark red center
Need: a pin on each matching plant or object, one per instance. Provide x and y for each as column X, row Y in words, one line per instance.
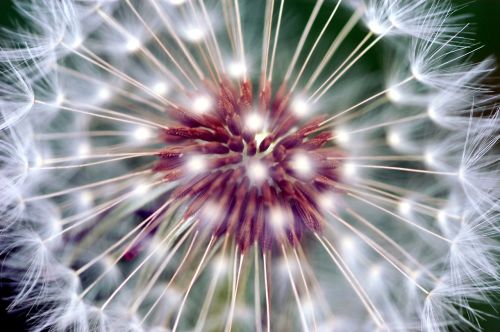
column 254, row 171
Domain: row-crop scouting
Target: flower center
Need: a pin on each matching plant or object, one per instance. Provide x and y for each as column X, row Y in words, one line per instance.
column 254, row 171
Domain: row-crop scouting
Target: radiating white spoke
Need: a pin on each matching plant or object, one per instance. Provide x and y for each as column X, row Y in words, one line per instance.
column 308, row 293
column 313, row 48
column 347, row 28
column 367, row 100
column 406, row 220
column 240, row 38
column 351, row 279
column 179, row 267
column 399, row 266
column 392, row 242
column 267, row 293
column 234, row 293
column 191, row 283
column 275, row 43
column 148, row 222
column 266, row 40
column 405, row 169
column 298, row 301
column 131, row 274
column 161, row 44
column 303, row 38
column 334, row 79
column 87, row 186
column 256, row 291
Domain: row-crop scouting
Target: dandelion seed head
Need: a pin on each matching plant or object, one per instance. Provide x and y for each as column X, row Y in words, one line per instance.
column 191, row 165
column 277, row 219
column 326, row 201
column 38, row 161
column 430, row 158
column 76, row 42
column 431, row 111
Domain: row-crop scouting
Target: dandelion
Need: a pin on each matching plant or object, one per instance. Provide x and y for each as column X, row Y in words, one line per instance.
column 202, row 165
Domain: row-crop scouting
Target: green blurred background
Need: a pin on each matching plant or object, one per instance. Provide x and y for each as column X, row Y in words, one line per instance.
column 485, row 22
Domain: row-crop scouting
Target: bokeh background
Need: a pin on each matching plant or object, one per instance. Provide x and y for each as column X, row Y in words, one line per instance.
column 484, row 17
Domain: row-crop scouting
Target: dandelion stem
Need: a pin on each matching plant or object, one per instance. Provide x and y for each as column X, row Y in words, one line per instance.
column 95, row 163
column 97, row 156
column 74, row 110
column 206, row 43
column 127, row 94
